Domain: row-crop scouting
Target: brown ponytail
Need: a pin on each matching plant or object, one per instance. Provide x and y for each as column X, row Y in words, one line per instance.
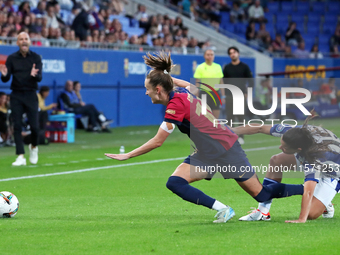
column 161, row 64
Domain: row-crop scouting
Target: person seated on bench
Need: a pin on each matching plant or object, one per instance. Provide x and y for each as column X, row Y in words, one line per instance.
column 71, row 103
column 44, row 92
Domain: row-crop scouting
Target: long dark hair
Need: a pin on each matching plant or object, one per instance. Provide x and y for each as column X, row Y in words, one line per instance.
column 302, row 137
column 161, row 64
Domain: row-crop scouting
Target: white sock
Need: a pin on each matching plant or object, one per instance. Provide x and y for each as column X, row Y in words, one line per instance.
column 218, row 205
column 265, row 206
column 101, row 117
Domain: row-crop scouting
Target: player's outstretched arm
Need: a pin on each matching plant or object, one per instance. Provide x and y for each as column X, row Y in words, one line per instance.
column 253, row 129
column 153, row 143
column 308, row 191
column 184, row 84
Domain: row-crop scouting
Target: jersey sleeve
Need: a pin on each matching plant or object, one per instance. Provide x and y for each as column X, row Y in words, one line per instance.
column 278, row 129
column 310, row 173
column 175, row 112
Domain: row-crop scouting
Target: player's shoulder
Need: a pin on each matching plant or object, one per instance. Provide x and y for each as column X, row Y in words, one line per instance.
column 200, row 66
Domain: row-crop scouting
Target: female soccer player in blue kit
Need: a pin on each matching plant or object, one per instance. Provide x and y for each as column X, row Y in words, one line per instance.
column 311, row 149
column 215, row 145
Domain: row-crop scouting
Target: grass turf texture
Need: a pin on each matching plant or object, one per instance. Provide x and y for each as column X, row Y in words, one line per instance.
column 128, row 210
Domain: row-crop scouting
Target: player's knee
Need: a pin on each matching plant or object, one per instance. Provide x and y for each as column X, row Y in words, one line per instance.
column 313, row 215
column 175, row 183
column 275, row 160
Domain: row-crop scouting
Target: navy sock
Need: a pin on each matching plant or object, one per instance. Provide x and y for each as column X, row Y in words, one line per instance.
column 267, row 181
column 278, row 190
column 181, row 188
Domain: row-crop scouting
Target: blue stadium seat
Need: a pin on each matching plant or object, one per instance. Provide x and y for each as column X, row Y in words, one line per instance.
column 313, row 24
column 302, row 7
column 334, row 7
column 240, row 28
column 273, row 7
column 229, row 27
column 134, row 31
column 270, row 18
column 309, row 42
column 281, row 19
column 224, row 17
column 323, row 47
column 323, row 40
column 300, row 27
column 287, row 7
column 298, row 19
column 329, row 27
column 319, row 7
column 331, row 18
column 314, row 18
column 313, row 30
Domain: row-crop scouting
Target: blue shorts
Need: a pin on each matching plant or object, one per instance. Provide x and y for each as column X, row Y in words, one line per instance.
column 233, row 164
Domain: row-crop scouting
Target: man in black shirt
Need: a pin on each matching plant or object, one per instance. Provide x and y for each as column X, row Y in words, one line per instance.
column 236, row 73
column 26, row 68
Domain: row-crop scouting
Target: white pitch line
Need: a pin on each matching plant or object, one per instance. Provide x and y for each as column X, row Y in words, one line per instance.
column 114, row 166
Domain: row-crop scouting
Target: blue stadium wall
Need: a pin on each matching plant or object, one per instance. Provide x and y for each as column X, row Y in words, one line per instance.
column 114, row 80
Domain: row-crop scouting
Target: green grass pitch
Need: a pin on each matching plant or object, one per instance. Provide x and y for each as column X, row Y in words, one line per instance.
column 128, row 210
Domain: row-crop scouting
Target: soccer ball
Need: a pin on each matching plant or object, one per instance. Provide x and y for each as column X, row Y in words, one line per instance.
column 9, row 204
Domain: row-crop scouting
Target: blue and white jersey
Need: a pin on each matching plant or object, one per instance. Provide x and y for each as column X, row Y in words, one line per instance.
column 329, row 164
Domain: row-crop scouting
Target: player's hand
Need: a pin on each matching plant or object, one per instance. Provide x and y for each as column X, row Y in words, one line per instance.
column 54, row 105
column 82, row 104
column 34, row 71
column 295, row 221
column 118, row 156
column 4, row 70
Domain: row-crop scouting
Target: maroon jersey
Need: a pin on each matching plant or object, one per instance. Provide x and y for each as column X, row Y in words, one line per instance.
column 184, row 110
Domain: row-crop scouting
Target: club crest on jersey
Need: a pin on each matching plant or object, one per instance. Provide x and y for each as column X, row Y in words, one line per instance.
column 170, row 111
column 279, row 128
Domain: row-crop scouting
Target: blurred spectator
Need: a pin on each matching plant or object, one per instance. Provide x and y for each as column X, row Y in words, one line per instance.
column 43, row 108
column 8, row 6
column 251, row 33
column 335, row 39
column 74, row 12
column 278, row 44
column 144, row 40
column 24, row 9
column 41, row 8
column 329, row 91
column 81, row 24
column 123, row 38
column 236, row 13
column 262, row 33
column 5, row 129
column 293, row 36
column 51, row 17
column 335, row 52
column 263, row 96
column 288, row 52
column 256, row 12
column 142, row 16
column 301, row 52
column 38, row 23
column 267, row 43
column 57, row 13
column 315, row 53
